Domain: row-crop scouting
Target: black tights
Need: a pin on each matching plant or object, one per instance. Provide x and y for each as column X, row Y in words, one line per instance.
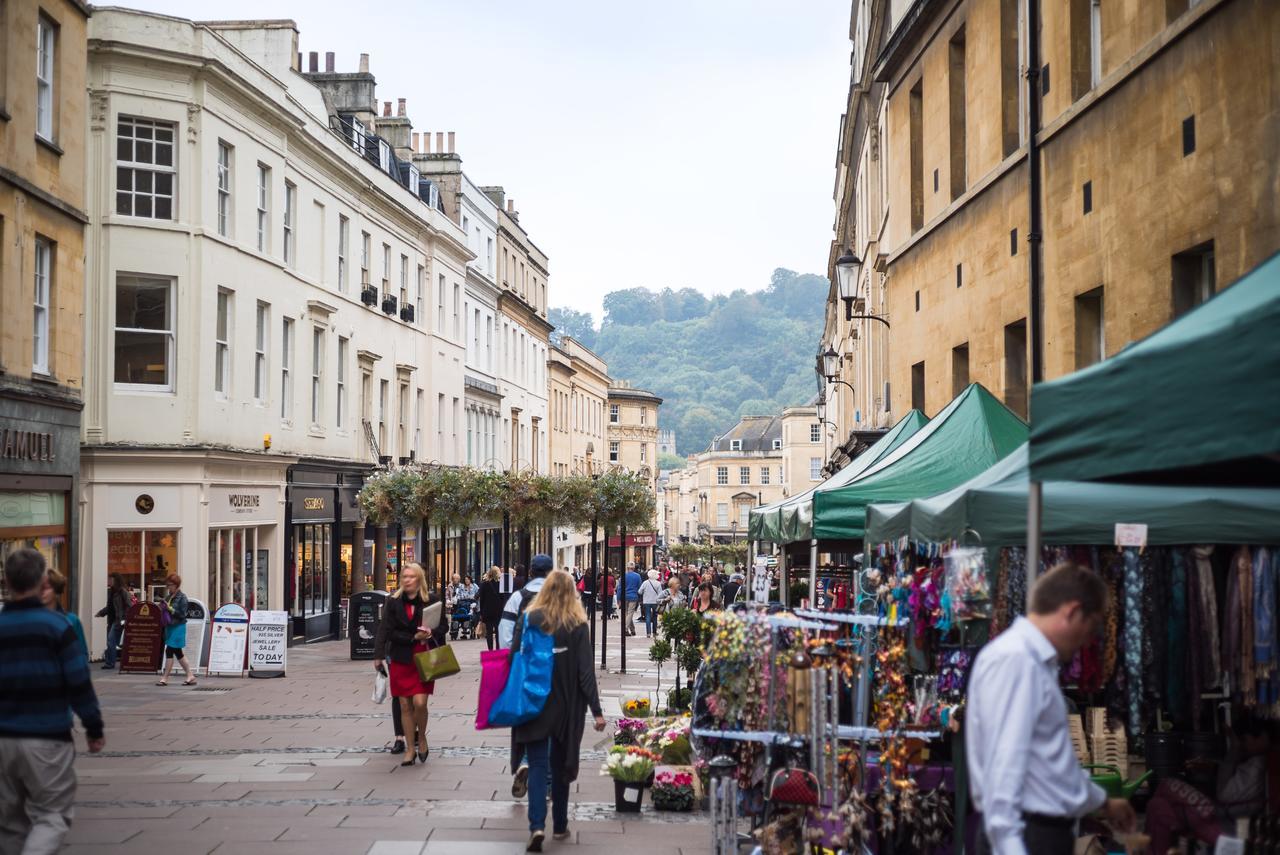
column 491, row 634
column 395, row 718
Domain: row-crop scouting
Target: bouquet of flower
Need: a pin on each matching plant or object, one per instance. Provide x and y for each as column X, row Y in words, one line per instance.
column 629, row 764
column 636, row 707
column 673, row 790
column 629, row 731
column 671, row 739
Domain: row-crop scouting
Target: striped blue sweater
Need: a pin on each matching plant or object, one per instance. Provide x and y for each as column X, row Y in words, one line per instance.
column 44, row 675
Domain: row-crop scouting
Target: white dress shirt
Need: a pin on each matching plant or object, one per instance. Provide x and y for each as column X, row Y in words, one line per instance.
column 1017, row 743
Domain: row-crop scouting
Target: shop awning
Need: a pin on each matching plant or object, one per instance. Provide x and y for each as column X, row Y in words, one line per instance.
column 994, row 506
column 1201, row 391
column 791, row 519
column 970, row 434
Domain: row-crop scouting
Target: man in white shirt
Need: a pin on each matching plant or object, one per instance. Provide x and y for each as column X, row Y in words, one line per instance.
column 1024, row 775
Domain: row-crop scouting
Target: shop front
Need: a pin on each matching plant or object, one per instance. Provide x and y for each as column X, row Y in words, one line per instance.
column 640, row 546
column 242, row 523
column 322, row 534
column 39, row 463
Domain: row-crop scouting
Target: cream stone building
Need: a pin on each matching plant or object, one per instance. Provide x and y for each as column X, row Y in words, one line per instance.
column 805, row 443
column 579, row 388
column 632, row 435
column 265, row 265
column 42, row 219
column 1155, row 188
column 742, row 469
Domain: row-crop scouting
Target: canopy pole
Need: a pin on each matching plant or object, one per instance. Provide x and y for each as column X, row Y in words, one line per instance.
column 1034, row 512
column 813, row 573
column 751, row 571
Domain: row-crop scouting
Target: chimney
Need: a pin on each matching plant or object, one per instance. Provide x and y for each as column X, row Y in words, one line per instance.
column 511, row 205
column 450, row 142
column 386, row 108
column 400, row 107
column 364, row 63
column 415, row 141
column 313, row 62
column 328, row 62
column 299, row 65
column 440, row 142
column 426, row 142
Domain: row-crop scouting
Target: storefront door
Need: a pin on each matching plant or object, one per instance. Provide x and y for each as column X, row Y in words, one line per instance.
column 37, row 520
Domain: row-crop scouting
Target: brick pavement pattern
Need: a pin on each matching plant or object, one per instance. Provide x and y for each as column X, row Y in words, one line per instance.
column 242, row 766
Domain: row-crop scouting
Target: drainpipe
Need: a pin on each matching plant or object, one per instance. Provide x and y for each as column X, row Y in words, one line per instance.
column 1035, row 315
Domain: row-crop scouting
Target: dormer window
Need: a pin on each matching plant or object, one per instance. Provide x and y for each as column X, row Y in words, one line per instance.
column 777, row 444
column 735, row 445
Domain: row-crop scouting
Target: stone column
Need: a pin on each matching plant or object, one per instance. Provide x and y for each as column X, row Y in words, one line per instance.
column 380, row 558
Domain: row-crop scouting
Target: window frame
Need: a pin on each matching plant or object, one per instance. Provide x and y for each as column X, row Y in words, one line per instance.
column 317, row 379
column 264, row 208
column 224, row 211
column 815, row 468
column 222, row 345
column 344, row 238
column 42, row 304
column 340, row 398
column 722, row 476
column 744, row 476
column 815, row 432
column 615, row 451
column 290, row 213
column 153, row 168
column 169, row 334
column 615, row 414
column 286, row 370
column 261, row 381
column 46, row 78
column 366, row 246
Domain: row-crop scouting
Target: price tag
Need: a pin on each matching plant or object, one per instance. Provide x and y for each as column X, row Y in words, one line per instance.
column 1131, row 534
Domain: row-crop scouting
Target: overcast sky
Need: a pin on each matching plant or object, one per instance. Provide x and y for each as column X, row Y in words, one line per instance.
column 667, row 143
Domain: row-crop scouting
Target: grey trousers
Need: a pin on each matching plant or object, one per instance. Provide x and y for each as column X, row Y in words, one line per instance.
column 37, row 789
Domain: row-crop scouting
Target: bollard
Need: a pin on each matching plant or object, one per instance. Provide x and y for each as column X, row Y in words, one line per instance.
column 724, row 806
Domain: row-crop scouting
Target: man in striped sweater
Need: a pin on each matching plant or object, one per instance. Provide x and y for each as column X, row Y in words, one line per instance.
column 44, row 675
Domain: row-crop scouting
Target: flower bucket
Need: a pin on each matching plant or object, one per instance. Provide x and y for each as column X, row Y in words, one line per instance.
column 627, row 796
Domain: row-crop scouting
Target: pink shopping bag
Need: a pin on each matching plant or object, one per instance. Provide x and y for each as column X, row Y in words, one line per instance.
column 495, row 665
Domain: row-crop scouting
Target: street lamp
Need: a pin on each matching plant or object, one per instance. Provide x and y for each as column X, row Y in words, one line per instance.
column 822, row 409
column 848, row 266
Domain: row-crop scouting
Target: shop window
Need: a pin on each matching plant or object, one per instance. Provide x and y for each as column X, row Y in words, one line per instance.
column 144, row 333
column 235, row 575
column 35, row 520
column 144, row 559
column 311, row 569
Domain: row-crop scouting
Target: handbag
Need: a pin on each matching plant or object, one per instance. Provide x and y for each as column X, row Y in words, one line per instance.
column 495, row 665
column 436, row 663
column 379, row 687
column 793, row 786
column 528, row 681
column 480, row 629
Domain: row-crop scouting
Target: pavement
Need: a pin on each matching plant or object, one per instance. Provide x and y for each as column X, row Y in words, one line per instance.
column 297, row 764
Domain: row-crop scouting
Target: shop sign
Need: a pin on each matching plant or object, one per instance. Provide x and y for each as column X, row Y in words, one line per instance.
column 312, row 505
column 197, row 622
column 643, row 538
column 364, row 613
column 238, row 505
column 230, row 640
column 143, row 639
column 26, row 445
column 268, row 642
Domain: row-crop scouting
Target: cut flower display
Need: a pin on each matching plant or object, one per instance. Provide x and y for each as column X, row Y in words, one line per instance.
column 630, row 764
column 673, row 790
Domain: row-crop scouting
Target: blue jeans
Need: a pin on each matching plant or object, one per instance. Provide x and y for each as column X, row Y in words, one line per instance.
column 540, row 754
column 650, row 618
column 113, row 643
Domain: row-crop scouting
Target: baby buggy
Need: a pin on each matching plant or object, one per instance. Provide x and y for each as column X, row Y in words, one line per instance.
column 463, row 619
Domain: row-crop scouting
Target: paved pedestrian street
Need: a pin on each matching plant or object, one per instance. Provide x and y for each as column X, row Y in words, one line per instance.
column 297, row 765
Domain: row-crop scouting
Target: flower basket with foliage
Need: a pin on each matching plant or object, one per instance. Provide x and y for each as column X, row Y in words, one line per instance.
column 636, row 707
column 630, row 764
column 628, row 731
column 673, row 790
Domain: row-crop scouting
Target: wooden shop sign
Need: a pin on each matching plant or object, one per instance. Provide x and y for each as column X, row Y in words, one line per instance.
column 143, row 639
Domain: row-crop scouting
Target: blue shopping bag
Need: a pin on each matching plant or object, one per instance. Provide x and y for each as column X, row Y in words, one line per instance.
column 529, row 681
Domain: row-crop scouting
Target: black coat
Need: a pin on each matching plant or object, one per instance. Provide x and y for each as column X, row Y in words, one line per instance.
column 573, row 691
column 490, row 602
column 400, row 630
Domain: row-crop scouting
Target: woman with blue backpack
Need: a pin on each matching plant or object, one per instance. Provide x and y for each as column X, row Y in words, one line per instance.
column 552, row 740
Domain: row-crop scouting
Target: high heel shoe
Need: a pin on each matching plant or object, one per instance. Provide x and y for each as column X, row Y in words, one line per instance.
column 408, row 762
column 423, row 755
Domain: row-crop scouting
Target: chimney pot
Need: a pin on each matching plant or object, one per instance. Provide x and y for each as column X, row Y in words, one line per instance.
column 313, row 62
column 415, row 141
column 511, row 205
column 328, row 61
column 426, row 142
column 440, row 142
column 386, row 108
column 298, row 67
column 400, row 106
column 364, row 63
column 450, row 142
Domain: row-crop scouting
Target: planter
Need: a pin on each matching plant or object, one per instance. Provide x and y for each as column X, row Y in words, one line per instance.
column 627, row 796
column 673, row 803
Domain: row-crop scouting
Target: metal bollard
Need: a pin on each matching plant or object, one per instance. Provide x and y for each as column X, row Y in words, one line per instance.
column 724, row 806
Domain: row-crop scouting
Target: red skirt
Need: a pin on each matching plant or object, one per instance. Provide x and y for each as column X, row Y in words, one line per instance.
column 405, row 679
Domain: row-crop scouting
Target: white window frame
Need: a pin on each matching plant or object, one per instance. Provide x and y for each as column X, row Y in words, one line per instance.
column 262, row 317
column 815, row 433
column 222, row 344
column 735, row 445
column 286, row 370
column 744, row 476
column 290, row 207
column 317, row 366
column 152, row 169
column 722, row 514
column 224, row 188
column 404, row 280
column 644, row 416
column 264, row 208
column 764, row 476
column 386, row 269
column 46, row 70
column 341, row 398
column 41, row 303
column 344, row 237
column 168, row 333
column 365, row 245
column 615, row 414
column 815, row 468
column 440, row 287
column 722, row 476
column 418, row 301
column 615, row 450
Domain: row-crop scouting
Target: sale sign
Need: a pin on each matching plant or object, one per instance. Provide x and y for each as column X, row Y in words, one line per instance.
column 268, row 643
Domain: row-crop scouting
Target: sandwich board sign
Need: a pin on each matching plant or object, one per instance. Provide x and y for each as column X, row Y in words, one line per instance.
column 230, row 640
column 268, row 643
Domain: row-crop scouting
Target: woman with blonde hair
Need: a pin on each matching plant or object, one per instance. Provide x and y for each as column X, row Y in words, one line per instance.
column 553, row 739
column 490, row 601
column 406, row 636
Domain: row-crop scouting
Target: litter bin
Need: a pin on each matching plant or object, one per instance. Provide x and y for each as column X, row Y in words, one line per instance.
column 363, row 616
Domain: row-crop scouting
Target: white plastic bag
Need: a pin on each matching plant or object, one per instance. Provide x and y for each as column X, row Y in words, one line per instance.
column 379, row 687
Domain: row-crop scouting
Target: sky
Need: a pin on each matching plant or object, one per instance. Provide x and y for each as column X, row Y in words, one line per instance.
column 680, row 143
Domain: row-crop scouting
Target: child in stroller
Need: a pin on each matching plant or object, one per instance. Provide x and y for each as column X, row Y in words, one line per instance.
column 463, row 619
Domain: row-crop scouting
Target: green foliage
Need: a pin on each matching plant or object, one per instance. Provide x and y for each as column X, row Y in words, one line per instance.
column 711, row 359
column 667, row 460
column 660, row 651
column 797, row 591
column 679, row 698
column 579, row 326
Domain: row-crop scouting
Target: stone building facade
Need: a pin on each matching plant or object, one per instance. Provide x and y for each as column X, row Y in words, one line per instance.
column 578, row 395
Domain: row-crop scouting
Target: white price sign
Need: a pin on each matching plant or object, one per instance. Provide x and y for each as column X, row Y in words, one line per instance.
column 230, row 637
column 1131, row 534
column 268, row 642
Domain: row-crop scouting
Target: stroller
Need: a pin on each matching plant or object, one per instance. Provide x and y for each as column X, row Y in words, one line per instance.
column 463, row 619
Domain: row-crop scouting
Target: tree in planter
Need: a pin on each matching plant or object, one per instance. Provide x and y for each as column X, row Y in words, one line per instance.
column 682, row 629
column 660, row 652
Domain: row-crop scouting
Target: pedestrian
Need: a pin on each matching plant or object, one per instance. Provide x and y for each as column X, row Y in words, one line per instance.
column 490, row 602
column 587, row 588
column 44, row 676
column 175, row 634
column 629, row 599
column 406, row 637
column 515, row 606
column 115, row 611
column 52, row 599
column 729, row 593
column 553, row 740
column 608, row 590
column 521, row 579
column 1024, row 775
column 709, row 579
column 380, row 665
column 650, row 592
column 452, row 590
column 704, row 599
column 672, row 597
column 468, row 590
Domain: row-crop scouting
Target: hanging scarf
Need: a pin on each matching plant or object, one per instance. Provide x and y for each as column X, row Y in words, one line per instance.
column 1155, row 616
column 1000, row 613
column 1266, row 645
column 1211, row 671
column 1239, row 629
column 1133, row 638
column 1176, row 636
column 1197, row 652
column 1017, row 600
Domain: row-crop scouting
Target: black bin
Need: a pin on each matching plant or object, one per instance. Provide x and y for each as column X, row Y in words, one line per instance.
column 364, row 613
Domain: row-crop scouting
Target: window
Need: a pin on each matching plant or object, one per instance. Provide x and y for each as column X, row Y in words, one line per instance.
column 917, row 387
column 264, row 198
column 386, row 269
column 286, row 366
column 815, row 468
column 222, row 345
column 404, row 280
column 1188, row 136
column 341, row 397
column 46, row 34
column 440, row 305
column 744, row 515
column 488, row 263
column 144, row 333
column 384, row 389
column 224, row 189
column 613, row 451
column 1010, row 91
column 764, row 475
column 644, row 416
column 457, row 311
column 440, row 427
column 402, row 404
column 1015, row 367
column 916, row 135
column 777, row 444
column 613, row 414
column 1090, row 336
column 344, row 235
column 722, row 475
column 260, row 353
column 744, row 475
column 643, row 448
column 417, row 421
column 1194, row 280
column 422, row 286
column 959, row 368
column 40, row 310
column 317, row 363
column 957, row 111
column 815, row 433
column 364, row 259
column 722, row 514
column 144, row 168
column 290, row 208
column 1085, row 24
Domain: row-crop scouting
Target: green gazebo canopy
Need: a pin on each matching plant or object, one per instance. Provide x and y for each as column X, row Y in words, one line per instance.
column 1201, row 391
column 791, row 519
column 970, row 434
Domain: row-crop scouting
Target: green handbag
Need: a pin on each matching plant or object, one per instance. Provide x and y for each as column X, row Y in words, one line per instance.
column 436, row 663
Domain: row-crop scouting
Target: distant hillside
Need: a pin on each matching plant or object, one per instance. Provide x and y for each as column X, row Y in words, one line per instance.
column 711, row 359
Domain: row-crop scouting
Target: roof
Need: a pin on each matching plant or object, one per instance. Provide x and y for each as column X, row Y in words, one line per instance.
column 756, row 433
column 633, row 394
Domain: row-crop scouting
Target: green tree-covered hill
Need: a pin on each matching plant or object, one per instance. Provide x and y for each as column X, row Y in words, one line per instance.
column 711, row 359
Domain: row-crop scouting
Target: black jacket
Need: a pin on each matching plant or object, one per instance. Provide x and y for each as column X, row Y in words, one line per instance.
column 573, row 691
column 400, row 630
column 490, row 602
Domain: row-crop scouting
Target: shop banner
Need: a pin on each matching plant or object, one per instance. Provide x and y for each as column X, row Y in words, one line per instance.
column 268, row 643
column 760, row 580
column 230, row 640
column 197, row 623
column 364, row 613
column 143, row 639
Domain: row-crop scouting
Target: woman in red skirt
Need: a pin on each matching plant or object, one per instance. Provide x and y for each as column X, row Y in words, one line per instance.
column 405, row 637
